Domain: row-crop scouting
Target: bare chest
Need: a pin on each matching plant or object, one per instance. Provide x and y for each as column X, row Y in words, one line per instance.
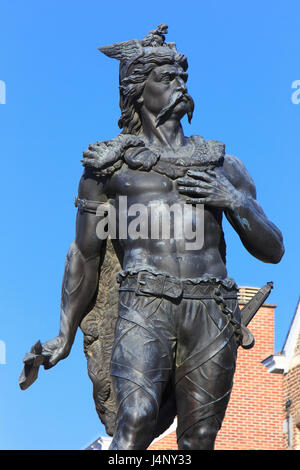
column 140, row 184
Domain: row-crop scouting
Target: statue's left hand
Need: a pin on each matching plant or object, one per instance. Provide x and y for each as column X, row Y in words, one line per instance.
column 209, row 187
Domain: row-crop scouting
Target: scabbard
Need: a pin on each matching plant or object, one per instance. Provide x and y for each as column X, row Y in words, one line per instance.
column 255, row 303
column 248, row 312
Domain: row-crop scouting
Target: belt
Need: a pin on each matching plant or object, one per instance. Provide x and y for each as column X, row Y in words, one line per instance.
column 163, row 285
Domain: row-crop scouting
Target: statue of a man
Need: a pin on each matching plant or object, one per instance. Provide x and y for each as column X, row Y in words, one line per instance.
column 179, row 325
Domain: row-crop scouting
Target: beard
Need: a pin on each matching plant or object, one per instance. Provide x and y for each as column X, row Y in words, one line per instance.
column 176, row 97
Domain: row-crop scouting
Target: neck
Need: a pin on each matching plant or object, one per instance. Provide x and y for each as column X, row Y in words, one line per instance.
column 169, row 134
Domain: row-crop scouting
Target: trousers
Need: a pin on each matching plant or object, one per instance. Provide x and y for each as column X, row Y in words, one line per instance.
column 186, row 338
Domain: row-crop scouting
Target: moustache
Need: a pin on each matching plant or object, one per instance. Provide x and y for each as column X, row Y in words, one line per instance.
column 176, row 98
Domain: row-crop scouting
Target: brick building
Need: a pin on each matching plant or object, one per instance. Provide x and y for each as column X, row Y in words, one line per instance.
column 286, row 365
column 264, row 409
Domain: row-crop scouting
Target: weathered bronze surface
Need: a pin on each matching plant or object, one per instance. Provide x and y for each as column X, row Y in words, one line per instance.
column 160, row 315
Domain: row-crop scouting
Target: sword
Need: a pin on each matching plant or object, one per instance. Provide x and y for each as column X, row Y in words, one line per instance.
column 248, row 312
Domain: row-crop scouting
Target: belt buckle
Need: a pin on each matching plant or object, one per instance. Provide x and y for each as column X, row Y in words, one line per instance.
column 138, row 283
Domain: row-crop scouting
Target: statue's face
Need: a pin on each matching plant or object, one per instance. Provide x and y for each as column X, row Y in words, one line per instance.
column 165, row 93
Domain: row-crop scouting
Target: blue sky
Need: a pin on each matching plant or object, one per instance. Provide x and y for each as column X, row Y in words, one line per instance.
column 62, row 95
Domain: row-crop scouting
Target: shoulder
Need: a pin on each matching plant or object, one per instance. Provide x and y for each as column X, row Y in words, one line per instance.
column 92, row 187
column 236, row 172
column 100, row 161
column 208, row 148
column 106, row 157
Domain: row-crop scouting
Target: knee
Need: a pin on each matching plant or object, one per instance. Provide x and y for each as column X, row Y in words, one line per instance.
column 135, row 426
column 138, row 417
column 199, row 437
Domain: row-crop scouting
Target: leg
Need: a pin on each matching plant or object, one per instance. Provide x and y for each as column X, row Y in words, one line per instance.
column 141, row 366
column 206, row 392
column 136, row 419
column 204, row 376
column 201, row 436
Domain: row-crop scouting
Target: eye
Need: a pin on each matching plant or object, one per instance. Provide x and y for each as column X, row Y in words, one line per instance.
column 184, row 77
column 168, row 77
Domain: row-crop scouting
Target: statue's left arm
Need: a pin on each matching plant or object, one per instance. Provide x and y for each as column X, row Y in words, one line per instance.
column 231, row 188
column 258, row 234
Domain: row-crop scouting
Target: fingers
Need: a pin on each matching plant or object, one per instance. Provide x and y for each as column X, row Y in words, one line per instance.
column 205, row 187
column 204, row 200
column 184, row 181
column 193, row 190
column 54, row 359
column 212, row 173
column 206, row 180
column 196, row 200
column 207, row 175
column 54, row 350
column 48, row 365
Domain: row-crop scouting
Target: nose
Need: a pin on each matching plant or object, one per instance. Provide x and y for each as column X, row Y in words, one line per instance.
column 181, row 86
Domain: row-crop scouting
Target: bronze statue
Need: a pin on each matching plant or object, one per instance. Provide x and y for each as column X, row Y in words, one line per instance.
column 164, row 341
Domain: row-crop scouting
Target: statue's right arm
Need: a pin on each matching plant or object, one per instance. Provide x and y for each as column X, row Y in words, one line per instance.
column 81, row 273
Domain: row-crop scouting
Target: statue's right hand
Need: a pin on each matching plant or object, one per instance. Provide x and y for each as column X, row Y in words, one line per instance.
column 55, row 349
column 47, row 354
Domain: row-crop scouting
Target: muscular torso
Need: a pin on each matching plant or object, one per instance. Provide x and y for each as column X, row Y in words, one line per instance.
column 228, row 189
column 169, row 255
